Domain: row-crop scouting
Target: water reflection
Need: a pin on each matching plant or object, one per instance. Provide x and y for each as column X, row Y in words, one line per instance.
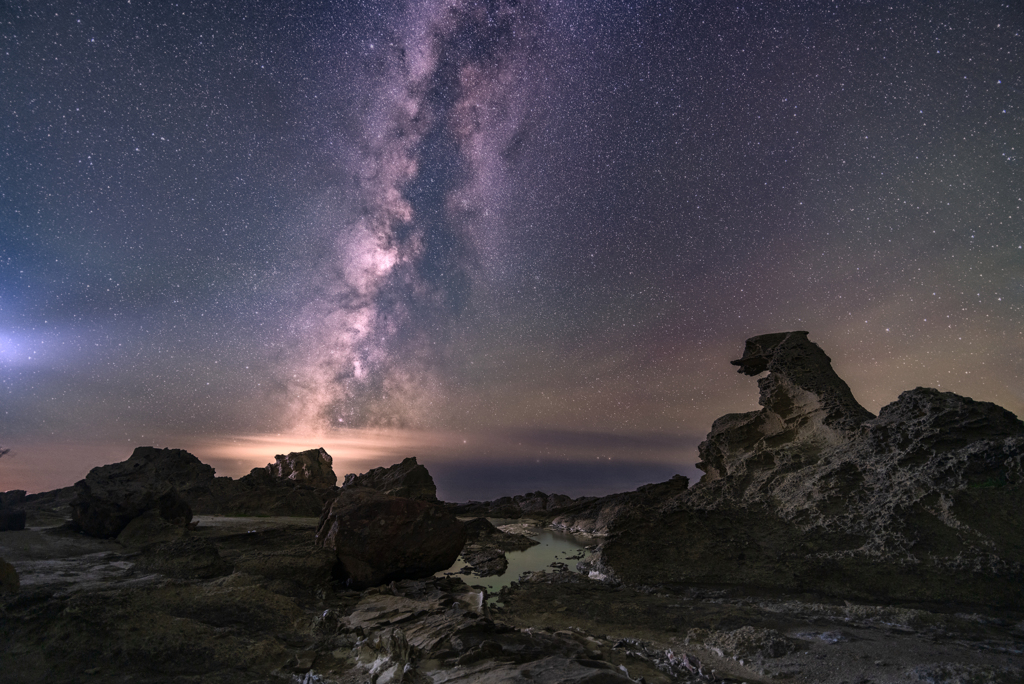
column 553, row 547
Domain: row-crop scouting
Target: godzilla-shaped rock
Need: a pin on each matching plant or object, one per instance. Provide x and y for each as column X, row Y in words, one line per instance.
column 806, row 405
column 407, row 479
column 379, row 538
column 312, row 467
column 111, row 496
column 813, row 493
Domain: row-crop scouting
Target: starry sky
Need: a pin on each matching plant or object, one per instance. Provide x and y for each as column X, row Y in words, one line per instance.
column 518, row 239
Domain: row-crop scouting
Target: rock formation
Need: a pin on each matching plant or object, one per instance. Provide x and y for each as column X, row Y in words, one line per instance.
column 379, row 538
column 12, row 511
column 407, row 479
column 111, row 496
column 312, row 467
column 296, row 484
column 484, row 552
column 178, row 484
column 536, row 505
column 813, row 493
column 807, row 407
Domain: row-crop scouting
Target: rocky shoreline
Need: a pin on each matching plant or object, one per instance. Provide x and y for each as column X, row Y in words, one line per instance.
column 823, row 544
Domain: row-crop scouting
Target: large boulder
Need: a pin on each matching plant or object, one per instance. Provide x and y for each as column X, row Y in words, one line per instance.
column 112, row 496
column 407, row 479
column 813, row 493
column 312, row 467
column 12, row 511
column 190, row 476
column 379, row 538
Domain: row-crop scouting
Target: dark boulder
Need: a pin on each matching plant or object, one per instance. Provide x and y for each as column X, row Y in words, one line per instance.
column 379, row 538
column 407, row 479
column 12, row 519
column 12, row 512
column 185, row 472
column 112, row 496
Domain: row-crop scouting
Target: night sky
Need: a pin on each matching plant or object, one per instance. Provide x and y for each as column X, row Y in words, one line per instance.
column 521, row 240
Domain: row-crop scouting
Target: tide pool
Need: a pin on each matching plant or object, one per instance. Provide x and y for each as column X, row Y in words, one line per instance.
column 552, row 547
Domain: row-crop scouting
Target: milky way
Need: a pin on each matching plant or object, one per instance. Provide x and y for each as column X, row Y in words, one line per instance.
column 505, row 232
column 427, row 167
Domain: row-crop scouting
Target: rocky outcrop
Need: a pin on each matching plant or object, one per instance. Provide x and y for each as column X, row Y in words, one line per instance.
column 484, row 552
column 261, row 493
column 112, row 496
column 312, row 467
column 597, row 516
column 407, row 479
column 813, row 493
column 807, row 407
column 379, row 538
column 186, row 473
column 296, row 484
column 533, row 505
column 483, row 533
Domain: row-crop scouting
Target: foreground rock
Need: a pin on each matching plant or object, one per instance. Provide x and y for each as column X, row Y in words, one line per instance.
column 379, row 538
column 90, row 610
column 812, row 493
column 407, row 479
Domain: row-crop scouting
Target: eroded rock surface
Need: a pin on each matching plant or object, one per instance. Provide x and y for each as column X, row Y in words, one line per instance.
column 813, row 493
column 379, row 538
column 407, row 479
column 312, row 467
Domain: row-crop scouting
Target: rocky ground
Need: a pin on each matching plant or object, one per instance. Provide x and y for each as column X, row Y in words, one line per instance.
column 252, row 600
column 824, row 544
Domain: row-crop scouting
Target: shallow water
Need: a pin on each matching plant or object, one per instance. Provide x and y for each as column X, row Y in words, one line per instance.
column 553, row 547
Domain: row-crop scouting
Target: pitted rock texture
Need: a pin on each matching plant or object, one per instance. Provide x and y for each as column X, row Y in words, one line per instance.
column 806, row 405
column 312, row 467
column 407, row 479
column 812, row 493
column 379, row 538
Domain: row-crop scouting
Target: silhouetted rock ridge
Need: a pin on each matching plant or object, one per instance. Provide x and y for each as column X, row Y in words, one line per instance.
column 814, row 493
